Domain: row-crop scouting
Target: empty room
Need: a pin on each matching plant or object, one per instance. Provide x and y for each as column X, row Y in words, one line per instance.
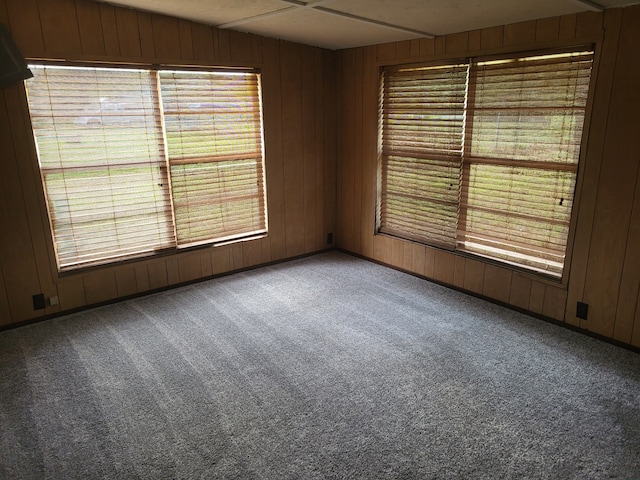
column 309, row 239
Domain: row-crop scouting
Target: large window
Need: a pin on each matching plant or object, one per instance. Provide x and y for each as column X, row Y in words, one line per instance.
column 136, row 161
column 482, row 156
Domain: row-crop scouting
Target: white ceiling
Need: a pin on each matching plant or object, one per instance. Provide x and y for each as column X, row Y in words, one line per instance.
column 337, row 24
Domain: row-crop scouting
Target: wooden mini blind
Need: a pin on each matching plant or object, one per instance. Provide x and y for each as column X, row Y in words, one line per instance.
column 135, row 161
column 214, row 142
column 485, row 163
column 422, row 130
column 524, row 130
column 100, row 145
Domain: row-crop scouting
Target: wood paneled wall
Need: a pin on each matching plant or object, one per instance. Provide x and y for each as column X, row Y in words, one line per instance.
column 299, row 102
column 604, row 270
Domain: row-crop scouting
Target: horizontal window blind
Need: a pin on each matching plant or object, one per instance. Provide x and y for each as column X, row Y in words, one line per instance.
column 485, row 163
column 422, row 129
column 100, row 146
column 214, row 142
column 523, row 142
column 134, row 161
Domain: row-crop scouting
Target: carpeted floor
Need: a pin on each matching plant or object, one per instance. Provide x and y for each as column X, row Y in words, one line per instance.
column 324, row 367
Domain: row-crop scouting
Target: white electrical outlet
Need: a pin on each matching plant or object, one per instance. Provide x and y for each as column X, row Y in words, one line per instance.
column 53, row 300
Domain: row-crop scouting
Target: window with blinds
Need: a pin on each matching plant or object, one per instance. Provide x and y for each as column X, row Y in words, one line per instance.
column 136, row 161
column 515, row 173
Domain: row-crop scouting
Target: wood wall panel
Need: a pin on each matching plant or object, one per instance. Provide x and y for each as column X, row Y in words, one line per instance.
column 603, row 269
column 616, row 183
column 299, row 110
column 90, row 28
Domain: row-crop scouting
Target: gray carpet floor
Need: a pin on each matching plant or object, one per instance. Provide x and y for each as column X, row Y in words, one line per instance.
column 323, row 367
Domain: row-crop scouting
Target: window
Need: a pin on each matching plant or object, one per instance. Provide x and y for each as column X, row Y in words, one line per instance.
column 482, row 156
column 136, row 161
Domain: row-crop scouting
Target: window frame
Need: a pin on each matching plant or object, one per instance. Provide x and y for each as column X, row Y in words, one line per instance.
column 593, row 45
column 176, row 248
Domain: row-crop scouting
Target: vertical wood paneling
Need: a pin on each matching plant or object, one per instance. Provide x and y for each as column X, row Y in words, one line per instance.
column 166, row 37
column 427, row 47
column 497, row 283
column 616, row 183
column 457, row 43
column 60, row 26
column 319, row 149
column 189, row 266
column 100, row 286
column 146, row 35
column 475, row 40
column 126, row 281
column 473, row 276
column 26, row 30
column 186, row 43
column 346, row 140
column 202, row 43
column 369, row 153
column 444, row 267
column 592, row 163
column 330, row 139
column 520, row 291
column 567, row 27
column 142, row 277
column 224, row 46
column 554, row 302
column 273, row 149
column 109, row 30
column 547, row 29
column 523, row 33
column 18, row 263
column 90, row 28
column 309, row 118
column 240, row 48
column 157, row 274
column 357, row 154
column 31, row 188
column 630, row 282
column 128, row 32
column 589, row 23
column 492, row 37
column 292, row 150
column 70, row 293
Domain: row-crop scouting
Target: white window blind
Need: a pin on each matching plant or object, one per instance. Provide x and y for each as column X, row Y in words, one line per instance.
column 214, row 141
column 422, row 131
column 108, row 163
column 519, row 140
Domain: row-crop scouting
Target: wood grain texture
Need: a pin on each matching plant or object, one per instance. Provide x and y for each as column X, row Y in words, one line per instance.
column 128, row 32
column 59, row 26
column 126, row 281
column 547, row 29
column 110, row 30
column 522, row 33
column 444, row 267
column 520, row 291
column 309, row 119
column 292, row 148
column 592, row 163
column 157, row 274
column 616, row 183
column 166, row 37
column 273, row 149
column 90, row 28
column 26, row 29
column 497, row 283
column 100, row 286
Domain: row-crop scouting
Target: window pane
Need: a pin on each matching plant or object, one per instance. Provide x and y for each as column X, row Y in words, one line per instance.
column 523, row 142
column 99, row 140
column 422, row 133
column 214, row 139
